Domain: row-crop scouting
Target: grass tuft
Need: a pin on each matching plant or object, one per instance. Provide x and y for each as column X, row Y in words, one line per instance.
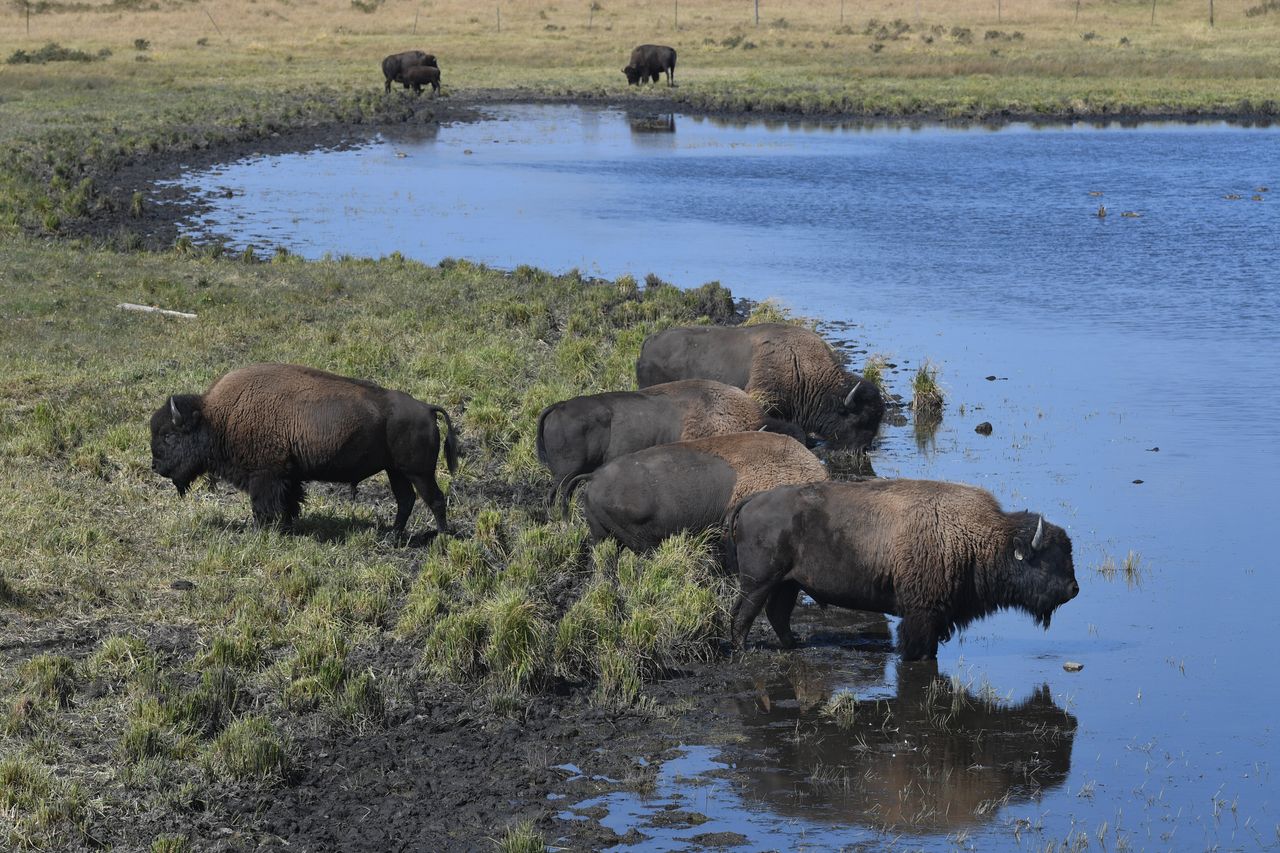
column 927, row 397
column 521, row 838
column 250, row 749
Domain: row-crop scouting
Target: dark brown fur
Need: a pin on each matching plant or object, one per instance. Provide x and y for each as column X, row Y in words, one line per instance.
column 268, row 428
column 940, row 555
column 648, row 62
column 394, row 65
column 418, row 76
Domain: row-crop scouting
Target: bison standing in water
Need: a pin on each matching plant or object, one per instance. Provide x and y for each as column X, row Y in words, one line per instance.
column 792, row 370
column 648, row 62
column 644, row 497
column 939, row 555
column 393, row 66
column 579, row 435
column 268, row 428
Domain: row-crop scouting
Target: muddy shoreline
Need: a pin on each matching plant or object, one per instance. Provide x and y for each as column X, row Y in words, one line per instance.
column 156, row 227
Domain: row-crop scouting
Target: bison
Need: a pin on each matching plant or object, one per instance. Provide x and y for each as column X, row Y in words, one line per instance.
column 791, row 369
column 939, row 555
column 648, row 61
column 268, row 428
column 417, row 76
column 644, row 497
column 579, row 435
column 394, row 65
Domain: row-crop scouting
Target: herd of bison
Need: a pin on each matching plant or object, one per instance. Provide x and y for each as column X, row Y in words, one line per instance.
column 414, row 69
column 718, row 434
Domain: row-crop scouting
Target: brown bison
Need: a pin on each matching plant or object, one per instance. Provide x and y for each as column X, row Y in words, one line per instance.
column 417, row 76
column 939, row 555
column 792, row 370
column 394, row 65
column 268, row 428
column 648, row 61
column 579, row 435
column 644, row 497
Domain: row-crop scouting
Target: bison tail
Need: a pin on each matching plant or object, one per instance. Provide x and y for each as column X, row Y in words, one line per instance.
column 450, row 440
column 728, row 529
column 566, row 492
column 540, row 443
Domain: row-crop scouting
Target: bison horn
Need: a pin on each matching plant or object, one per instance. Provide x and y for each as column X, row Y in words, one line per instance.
column 1035, row 540
column 173, row 411
column 848, row 401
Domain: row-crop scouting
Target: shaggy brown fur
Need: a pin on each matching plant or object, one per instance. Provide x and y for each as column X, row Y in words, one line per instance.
column 394, row 65
column 792, row 371
column 939, row 555
column 418, row 76
column 644, row 497
column 269, row 428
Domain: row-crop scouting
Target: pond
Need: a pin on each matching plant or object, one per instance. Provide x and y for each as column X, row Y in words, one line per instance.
column 1127, row 363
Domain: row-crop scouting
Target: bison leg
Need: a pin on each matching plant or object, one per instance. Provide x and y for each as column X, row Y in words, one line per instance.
column 918, row 635
column 432, row 497
column 745, row 612
column 387, row 89
column 274, row 499
column 403, row 490
column 781, row 603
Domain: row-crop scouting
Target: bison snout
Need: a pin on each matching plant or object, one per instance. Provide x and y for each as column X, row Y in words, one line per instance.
column 1073, row 590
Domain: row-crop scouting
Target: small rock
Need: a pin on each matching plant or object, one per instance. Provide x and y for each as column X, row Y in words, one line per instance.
column 467, row 151
column 182, row 585
column 991, row 378
column 1138, row 482
column 983, row 428
column 1153, row 450
column 1072, row 666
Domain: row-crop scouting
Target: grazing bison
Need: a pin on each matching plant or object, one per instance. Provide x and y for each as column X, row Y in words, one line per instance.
column 579, row 435
column 268, row 428
column 644, row 497
column 940, row 555
column 417, row 76
column 648, row 61
column 394, row 65
column 792, row 370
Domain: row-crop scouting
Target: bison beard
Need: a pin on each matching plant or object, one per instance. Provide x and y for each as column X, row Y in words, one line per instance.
column 939, row 555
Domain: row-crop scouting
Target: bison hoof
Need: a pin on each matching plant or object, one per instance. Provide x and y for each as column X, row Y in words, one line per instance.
column 787, row 641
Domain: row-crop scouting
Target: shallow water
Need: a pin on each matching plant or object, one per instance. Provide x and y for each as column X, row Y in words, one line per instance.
column 980, row 250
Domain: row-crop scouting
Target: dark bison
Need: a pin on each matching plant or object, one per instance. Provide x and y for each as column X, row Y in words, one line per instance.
column 417, row 76
column 793, row 371
column 644, row 497
column 648, row 61
column 579, row 435
column 268, row 428
column 939, row 555
column 394, row 65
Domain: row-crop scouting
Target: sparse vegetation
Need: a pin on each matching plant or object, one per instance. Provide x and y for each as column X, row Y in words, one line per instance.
column 926, row 394
column 521, row 838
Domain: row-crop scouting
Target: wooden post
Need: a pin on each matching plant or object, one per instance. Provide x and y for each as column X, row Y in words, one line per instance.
column 1153, row 13
column 1210, row 14
column 757, row 13
column 998, row 11
column 415, row 19
column 842, row 12
column 498, row 7
column 591, row 14
column 27, row 3
column 677, row 2
column 1077, row 11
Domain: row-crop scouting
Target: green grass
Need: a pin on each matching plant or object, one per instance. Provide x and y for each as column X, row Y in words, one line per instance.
column 521, row 838
column 926, row 394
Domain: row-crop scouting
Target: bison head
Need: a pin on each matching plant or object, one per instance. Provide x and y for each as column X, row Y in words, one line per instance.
column 856, row 418
column 633, row 75
column 180, row 441
column 1044, row 577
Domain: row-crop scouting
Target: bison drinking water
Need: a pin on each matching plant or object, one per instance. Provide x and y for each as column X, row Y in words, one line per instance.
column 268, row 428
column 792, row 370
column 393, row 66
column 648, row 62
column 940, row 555
column 579, row 435
column 642, row 498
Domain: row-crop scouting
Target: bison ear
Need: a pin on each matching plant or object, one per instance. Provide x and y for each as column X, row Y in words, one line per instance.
column 1017, row 554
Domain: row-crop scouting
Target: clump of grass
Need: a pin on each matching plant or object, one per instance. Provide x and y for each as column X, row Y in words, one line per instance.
column 1133, row 569
column 49, row 678
column 769, row 311
column 521, row 838
column 874, row 369
column 842, row 708
column 136, row 205
column 170, row 844
column 39, row 811
column 927, row 397
column 118, row 659
column 361, row 705
column 250, row 748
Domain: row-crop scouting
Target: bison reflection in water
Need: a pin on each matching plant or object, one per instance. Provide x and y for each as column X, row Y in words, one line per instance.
column 661, row 123
column 935, row 756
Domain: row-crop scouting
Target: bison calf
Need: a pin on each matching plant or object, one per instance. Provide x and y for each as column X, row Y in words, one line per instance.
column 268, row 428
column 792, row 370
column 939, row 555
column 418, row 76
column 648, row 62
column 394, row 65
column 642, row 498
column 579, row 435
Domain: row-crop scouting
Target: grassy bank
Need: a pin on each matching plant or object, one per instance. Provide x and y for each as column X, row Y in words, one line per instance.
column 154, row 646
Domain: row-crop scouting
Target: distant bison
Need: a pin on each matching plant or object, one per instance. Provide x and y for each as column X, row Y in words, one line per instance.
column 394, row 65
column 581, row 434
column 644, row 497
column 648, row 61
column 940, row 555
column 793, row 371
column 417, row 76
column 268, row 428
